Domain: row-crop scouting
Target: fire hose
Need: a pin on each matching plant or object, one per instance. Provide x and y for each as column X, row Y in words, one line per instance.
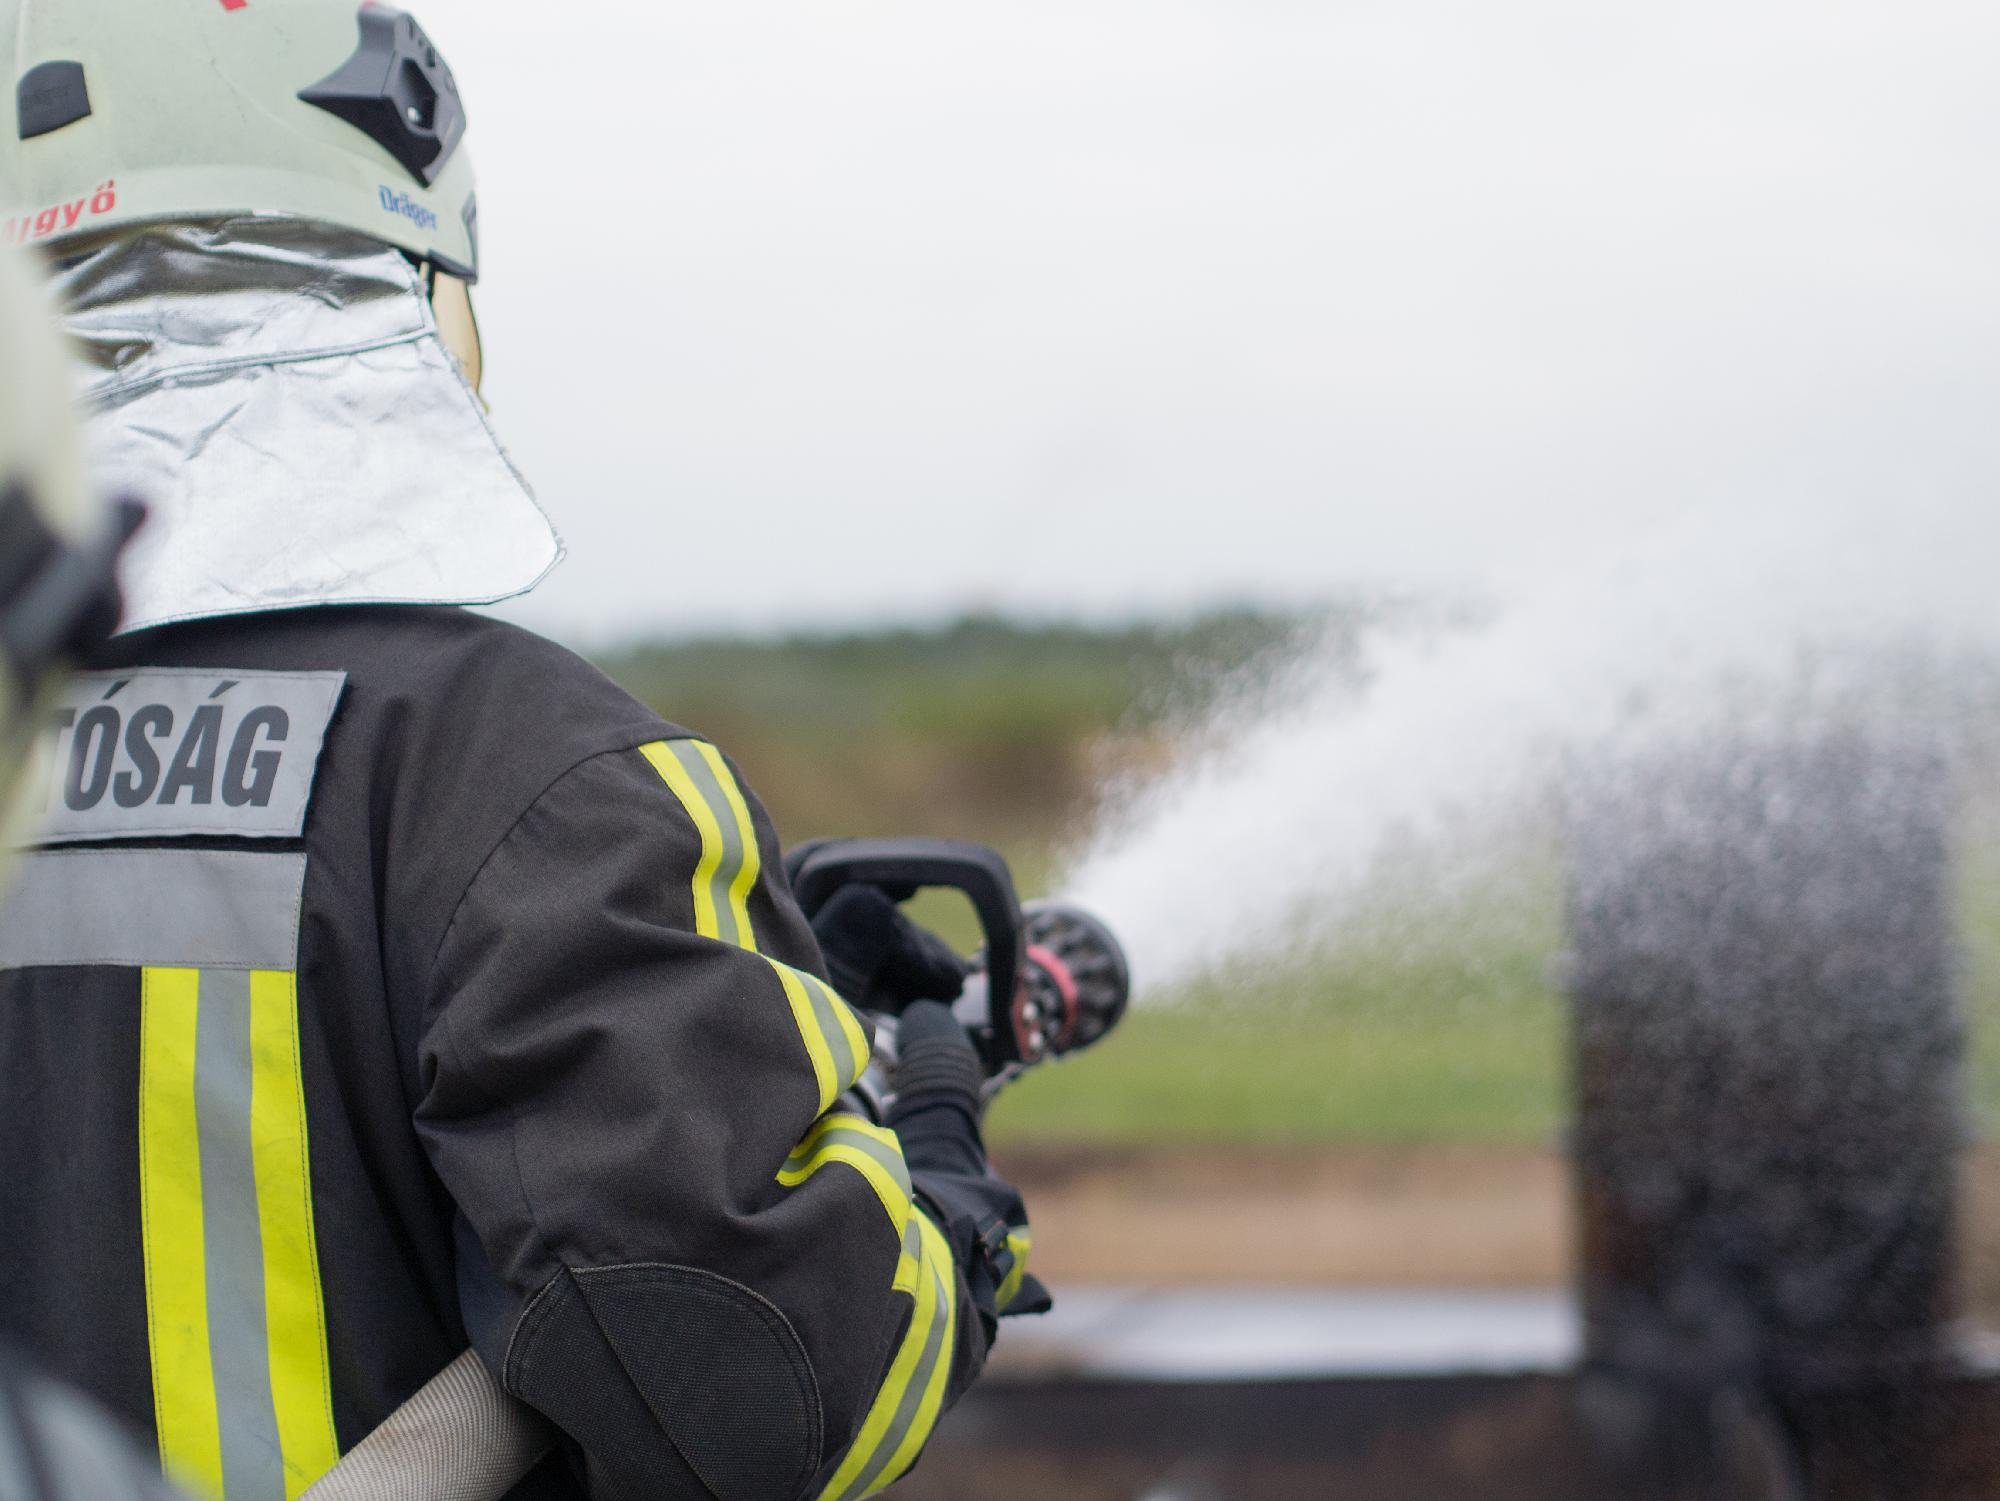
column 1050, row 980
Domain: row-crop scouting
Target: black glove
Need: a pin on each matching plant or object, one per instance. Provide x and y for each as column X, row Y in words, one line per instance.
column 878, row 959
column 936, row 1117
column 937, row 1081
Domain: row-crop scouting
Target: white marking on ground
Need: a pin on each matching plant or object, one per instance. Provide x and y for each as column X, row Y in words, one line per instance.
column 1223, row 1334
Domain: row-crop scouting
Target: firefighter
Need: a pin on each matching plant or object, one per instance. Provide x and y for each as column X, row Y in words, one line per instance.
column 56, row 597
column 387, row 980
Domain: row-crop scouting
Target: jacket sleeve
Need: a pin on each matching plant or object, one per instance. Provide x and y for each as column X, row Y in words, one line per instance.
column 673, row 1241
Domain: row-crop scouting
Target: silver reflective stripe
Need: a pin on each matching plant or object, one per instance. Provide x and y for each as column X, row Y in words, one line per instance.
column 239, row 1346
column 920, row 1378
column 826, row 1011
column 913, row 1397
column 183, row 909
column 889, row 1157
column 731, row 865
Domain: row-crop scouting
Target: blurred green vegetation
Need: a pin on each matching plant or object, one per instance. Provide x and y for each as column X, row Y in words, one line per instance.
column 980, row 729
column 1431, row 1017
column 1414, row 1024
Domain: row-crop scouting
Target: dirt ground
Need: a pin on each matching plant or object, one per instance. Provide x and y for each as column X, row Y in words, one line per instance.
column 1457, row 1216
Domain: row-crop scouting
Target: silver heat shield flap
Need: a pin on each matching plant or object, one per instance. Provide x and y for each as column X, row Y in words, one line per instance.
column 276, row 393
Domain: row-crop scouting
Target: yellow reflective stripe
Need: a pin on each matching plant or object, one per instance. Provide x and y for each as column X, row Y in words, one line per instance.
column 726, row 871
column 900, row 1420
column 864, row 1146
column 858, row 1125
column 295, row 1320
column 815, row 1040
column 943, row 1274
column 905, row 1410
column 909, row 1265
column 746, row 833
column 863, row 1163
column 1020, row 1243
column 850, row 1028
column 234, row 1308
column 829, row 1028
column 724, row 876
column 184, row 1407
column 676, row 777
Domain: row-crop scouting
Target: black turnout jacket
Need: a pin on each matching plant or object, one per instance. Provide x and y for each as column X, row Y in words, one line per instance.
column 388, row 982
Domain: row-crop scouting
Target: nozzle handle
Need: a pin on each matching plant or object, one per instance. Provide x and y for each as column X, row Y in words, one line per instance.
column 900, row 868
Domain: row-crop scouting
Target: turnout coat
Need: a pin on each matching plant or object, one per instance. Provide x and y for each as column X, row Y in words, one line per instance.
column 388, row 982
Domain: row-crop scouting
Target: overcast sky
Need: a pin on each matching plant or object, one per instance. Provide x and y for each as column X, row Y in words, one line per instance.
column 803, row 313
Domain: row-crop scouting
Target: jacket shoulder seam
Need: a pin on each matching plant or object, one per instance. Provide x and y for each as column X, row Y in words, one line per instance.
column 627, row 741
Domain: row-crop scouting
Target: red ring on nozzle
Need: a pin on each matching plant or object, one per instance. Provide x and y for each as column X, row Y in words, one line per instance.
column 1051, row 965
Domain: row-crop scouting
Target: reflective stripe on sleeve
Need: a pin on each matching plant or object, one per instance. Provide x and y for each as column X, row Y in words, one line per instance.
column 811, row 1033
column 242, row 1394
column 905, row 1410
column 836, row 1045
column 864, row 1146
column 738, row 820
column 836, row 1018
column 1019, row 1244
column 827, row 1025
column 728, row 867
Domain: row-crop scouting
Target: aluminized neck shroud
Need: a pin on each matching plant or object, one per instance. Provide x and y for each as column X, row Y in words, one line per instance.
column 277, row 393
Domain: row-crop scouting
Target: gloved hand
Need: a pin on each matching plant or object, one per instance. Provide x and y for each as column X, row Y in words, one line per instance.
column 878, row 959
column 937, row 1081
column 936, row 1117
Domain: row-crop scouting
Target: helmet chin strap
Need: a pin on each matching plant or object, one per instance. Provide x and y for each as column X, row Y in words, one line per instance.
column 458, row 327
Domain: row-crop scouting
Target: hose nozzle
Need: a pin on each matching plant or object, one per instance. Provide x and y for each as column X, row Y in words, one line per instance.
column 1075, row 984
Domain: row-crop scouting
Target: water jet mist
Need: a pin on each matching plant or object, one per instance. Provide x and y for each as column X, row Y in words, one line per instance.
column 1266, row 833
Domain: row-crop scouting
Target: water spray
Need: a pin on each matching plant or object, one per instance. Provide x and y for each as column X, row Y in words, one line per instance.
column 1270, row 826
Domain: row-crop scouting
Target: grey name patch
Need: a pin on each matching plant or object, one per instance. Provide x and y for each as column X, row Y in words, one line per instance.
column 164, row 751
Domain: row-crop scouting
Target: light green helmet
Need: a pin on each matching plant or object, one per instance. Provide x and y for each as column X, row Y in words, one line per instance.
column 137, row 111
column 39, row 457
column 58, row 543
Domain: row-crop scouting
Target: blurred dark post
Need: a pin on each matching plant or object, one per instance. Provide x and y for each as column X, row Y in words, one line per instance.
column 1768, row 1047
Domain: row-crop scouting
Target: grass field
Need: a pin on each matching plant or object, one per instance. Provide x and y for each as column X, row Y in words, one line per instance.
column 1446, row 1027
column 1439, row 1025
column 1465, row 1042
column 1430, row 1020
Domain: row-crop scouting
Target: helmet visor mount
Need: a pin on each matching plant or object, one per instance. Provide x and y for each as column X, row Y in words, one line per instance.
column 398, row 92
